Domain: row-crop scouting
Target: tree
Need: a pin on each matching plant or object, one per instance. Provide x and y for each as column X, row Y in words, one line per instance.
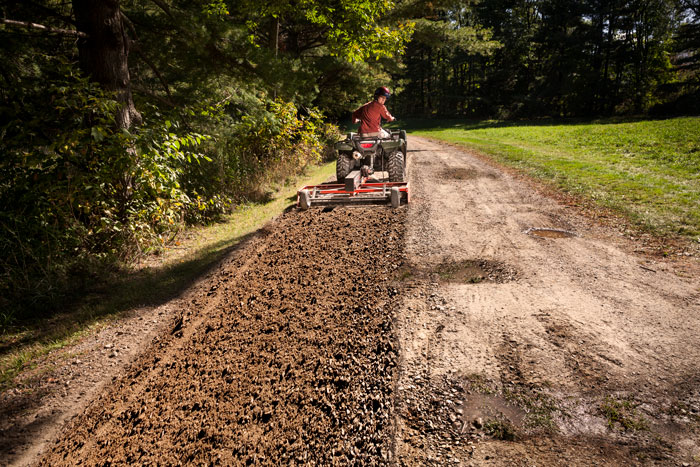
column 104, row 52
column 557, row 58
column 443, row 58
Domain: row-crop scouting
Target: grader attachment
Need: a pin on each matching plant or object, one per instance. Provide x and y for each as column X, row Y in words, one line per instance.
column 356, row 189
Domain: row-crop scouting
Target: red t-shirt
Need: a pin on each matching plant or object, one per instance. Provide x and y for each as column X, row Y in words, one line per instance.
column 370, row 117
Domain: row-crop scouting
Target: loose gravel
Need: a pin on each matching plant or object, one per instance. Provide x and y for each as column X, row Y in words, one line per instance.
column 288, row 359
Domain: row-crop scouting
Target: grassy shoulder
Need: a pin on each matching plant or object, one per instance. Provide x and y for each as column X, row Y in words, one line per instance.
column 646, row 170
column 154, row 281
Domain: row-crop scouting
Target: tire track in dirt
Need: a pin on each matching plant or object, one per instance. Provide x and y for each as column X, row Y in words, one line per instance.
column 289, row 360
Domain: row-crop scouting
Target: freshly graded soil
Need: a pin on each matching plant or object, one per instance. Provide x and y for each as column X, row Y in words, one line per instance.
column 290, row 358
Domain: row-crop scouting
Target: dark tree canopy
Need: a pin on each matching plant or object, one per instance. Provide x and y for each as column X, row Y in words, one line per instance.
column 553, row 58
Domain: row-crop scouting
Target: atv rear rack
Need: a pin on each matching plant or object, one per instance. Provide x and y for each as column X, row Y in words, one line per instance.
column 356, row 190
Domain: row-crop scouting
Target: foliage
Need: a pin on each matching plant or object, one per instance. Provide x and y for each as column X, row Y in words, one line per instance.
column 76, row 191
column 446, row 40
column 348, row 29
column 681, row 94
column 533, row 58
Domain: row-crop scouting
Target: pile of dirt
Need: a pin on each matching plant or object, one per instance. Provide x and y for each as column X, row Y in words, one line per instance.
column 289, row 359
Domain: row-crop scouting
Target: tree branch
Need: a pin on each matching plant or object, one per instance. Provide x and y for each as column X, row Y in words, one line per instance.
column 153, row 68
column 164, row 6
column 155, row 96
column 41, row 27
column 136, row 47
column 55, row 14
column 130, row 25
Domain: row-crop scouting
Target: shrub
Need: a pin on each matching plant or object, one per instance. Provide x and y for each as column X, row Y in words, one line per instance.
column 77, row 194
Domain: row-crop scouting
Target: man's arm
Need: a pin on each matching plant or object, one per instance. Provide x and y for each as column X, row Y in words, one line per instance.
column 386, row 115
column 356, row 115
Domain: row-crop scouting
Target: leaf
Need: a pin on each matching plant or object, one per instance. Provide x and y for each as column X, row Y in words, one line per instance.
column 97, row 134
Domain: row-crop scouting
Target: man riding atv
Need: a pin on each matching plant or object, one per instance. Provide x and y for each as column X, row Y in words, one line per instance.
column 359, row 155
column 373, row 148
column 371, row 114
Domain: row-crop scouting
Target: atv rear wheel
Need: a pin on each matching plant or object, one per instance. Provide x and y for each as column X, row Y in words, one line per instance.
column 343, row 166
column 396, row 167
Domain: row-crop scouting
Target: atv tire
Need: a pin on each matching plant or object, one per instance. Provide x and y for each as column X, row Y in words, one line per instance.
column 396, row 167
column 343, row 166
column 402, row 137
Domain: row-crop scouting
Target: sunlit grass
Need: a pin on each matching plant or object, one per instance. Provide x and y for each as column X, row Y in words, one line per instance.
column 646, row 170
column 154, row 281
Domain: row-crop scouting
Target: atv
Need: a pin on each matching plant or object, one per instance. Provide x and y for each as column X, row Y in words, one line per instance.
column 372, row 153
column 358, row 158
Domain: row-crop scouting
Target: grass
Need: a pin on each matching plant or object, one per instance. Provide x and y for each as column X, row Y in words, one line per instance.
column 645, row 170
column 23, row 344
column 478, row 383
column 539, row 407
column 501, row 429
column 623, row 412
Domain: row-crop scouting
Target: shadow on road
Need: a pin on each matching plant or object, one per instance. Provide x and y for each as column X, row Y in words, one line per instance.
column 124, row 292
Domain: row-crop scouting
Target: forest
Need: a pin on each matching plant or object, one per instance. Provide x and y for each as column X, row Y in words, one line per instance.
column 122, row 122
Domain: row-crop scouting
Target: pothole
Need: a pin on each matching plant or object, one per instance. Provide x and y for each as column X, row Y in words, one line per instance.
column 546, row 232
column 475, row 271
column 459, row 173
column 483, row 408
column 462, row 173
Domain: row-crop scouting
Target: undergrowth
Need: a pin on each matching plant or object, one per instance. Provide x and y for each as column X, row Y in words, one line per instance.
column 153, row 281
column 80, row 199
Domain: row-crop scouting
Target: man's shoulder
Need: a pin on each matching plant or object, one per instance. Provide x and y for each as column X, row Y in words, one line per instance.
column 375, row 106
column 364, row 106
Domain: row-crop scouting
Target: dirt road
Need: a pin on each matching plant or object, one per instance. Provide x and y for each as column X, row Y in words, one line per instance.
column 446, row 333
column 538, row 347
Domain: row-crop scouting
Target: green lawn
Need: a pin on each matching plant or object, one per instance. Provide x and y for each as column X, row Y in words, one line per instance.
column 646, row 170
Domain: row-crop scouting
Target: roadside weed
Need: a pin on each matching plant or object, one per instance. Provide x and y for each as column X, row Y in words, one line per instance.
column 539, row 407
column 623, row 412
column 24, row 342
column 501, row 428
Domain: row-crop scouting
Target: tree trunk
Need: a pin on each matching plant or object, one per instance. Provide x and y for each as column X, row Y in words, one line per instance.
column 104, row 53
